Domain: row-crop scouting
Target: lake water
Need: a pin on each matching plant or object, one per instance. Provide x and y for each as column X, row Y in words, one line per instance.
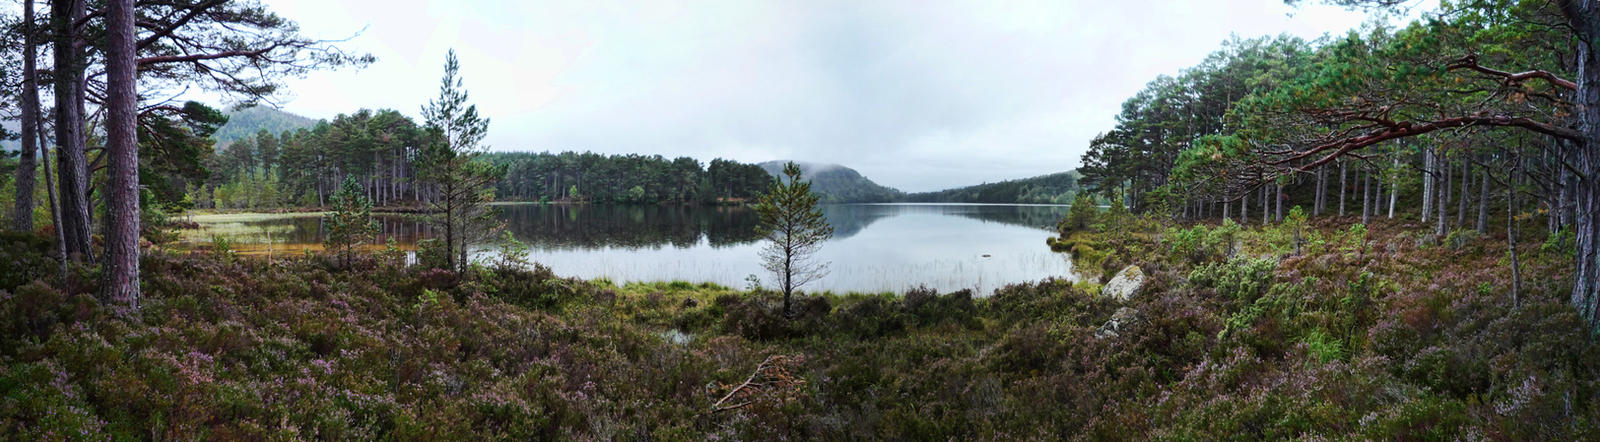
column 875, row 247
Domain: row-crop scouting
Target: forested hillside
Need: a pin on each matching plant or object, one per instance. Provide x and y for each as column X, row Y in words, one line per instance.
column 1055, row 188
column 1391, row 234
column 592, row 177
column 255, row 119
column 301, row 168
column 1467, row 121
column 838, row 184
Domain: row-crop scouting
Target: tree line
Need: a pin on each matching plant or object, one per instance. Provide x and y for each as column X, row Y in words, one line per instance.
column 1055, row 188
column 124, row 148
column 1485, row 112
column 302, row 168
column 112, row 69
column 632, row 178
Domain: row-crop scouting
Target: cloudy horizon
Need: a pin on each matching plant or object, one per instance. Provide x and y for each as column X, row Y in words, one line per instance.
column 914, row 96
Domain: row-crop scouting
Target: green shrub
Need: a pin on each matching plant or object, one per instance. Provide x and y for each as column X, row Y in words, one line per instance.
column 1292, row 235
column 1460, row 238
column 1200, row 244
column 1080, row 215
column 431, row 254
column 1353, row 240
column 1239, row 279
column 1323, row 347
column 1560, row 242
column 223, row 248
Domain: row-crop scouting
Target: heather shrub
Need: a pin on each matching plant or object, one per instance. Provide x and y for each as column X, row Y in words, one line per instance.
column 24, row 257
column 754, row 320
column 1460, row 238
column 34, row 311
column 43, row 403
column 871, row 316
column 1398, row 342
column 927, row 307
column 533, row 287
column 1050, row 298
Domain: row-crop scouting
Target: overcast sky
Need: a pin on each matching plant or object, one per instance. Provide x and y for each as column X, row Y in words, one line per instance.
column 917, row 95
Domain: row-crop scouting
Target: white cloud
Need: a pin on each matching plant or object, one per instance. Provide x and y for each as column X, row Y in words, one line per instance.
column 917, row 95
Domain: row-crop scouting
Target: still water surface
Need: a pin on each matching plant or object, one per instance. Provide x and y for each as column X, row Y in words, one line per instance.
column 875, row 247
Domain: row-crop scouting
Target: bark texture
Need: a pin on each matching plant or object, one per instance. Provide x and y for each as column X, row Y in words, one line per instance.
column 27, row 180
column 1584, row 16
column 73, row 175
column 122, row 112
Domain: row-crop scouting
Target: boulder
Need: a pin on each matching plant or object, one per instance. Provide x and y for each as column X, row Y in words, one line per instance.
column 1122, row 318
column 1126, row 284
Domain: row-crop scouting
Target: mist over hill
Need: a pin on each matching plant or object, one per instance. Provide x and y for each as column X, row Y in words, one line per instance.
column 248, row 121
column 838, row 184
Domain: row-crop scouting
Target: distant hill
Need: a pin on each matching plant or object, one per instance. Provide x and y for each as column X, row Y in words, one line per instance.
column 1055, row 188
column 246, row 122
column 838, row 184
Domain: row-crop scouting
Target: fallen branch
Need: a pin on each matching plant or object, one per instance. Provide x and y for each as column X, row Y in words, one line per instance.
column 772, row 371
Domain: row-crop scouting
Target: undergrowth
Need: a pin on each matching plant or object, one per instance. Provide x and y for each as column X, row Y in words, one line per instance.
column 1304, row 331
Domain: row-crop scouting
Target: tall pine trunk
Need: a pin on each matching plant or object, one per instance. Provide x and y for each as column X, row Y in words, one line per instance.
column 1441, row 191
column 1244, row 209
column 73, row 176
column 1316, row 193
column 1341, row 188
column 1429, row 184
column 1483, row 204
column 1366, row 197
column 1461, row 204
column 1584, row 16
column 1511, row 231
column 122, row 144
column 1394, row 189
column 1277, row 196
column 27, row 181
column 1266, row 208
column 50, row 192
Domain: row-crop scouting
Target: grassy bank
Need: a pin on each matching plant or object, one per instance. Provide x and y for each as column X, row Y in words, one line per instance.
column 1370, row 334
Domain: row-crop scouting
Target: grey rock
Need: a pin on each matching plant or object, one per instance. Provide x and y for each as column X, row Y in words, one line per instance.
column 1126, row 284
column 1119, row 320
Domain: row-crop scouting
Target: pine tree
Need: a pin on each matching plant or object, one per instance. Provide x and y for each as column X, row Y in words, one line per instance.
column 795, row 229
column 450, row 160
column 121, row 285
column 350, row 224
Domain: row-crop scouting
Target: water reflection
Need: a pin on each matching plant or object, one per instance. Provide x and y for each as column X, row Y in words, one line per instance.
column 567, row 227
column 876, row 247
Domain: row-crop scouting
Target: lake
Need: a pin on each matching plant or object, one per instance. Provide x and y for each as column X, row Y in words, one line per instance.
column 875, row 247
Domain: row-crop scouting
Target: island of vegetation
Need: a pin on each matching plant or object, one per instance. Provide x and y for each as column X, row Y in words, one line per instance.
column 1389, row 234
